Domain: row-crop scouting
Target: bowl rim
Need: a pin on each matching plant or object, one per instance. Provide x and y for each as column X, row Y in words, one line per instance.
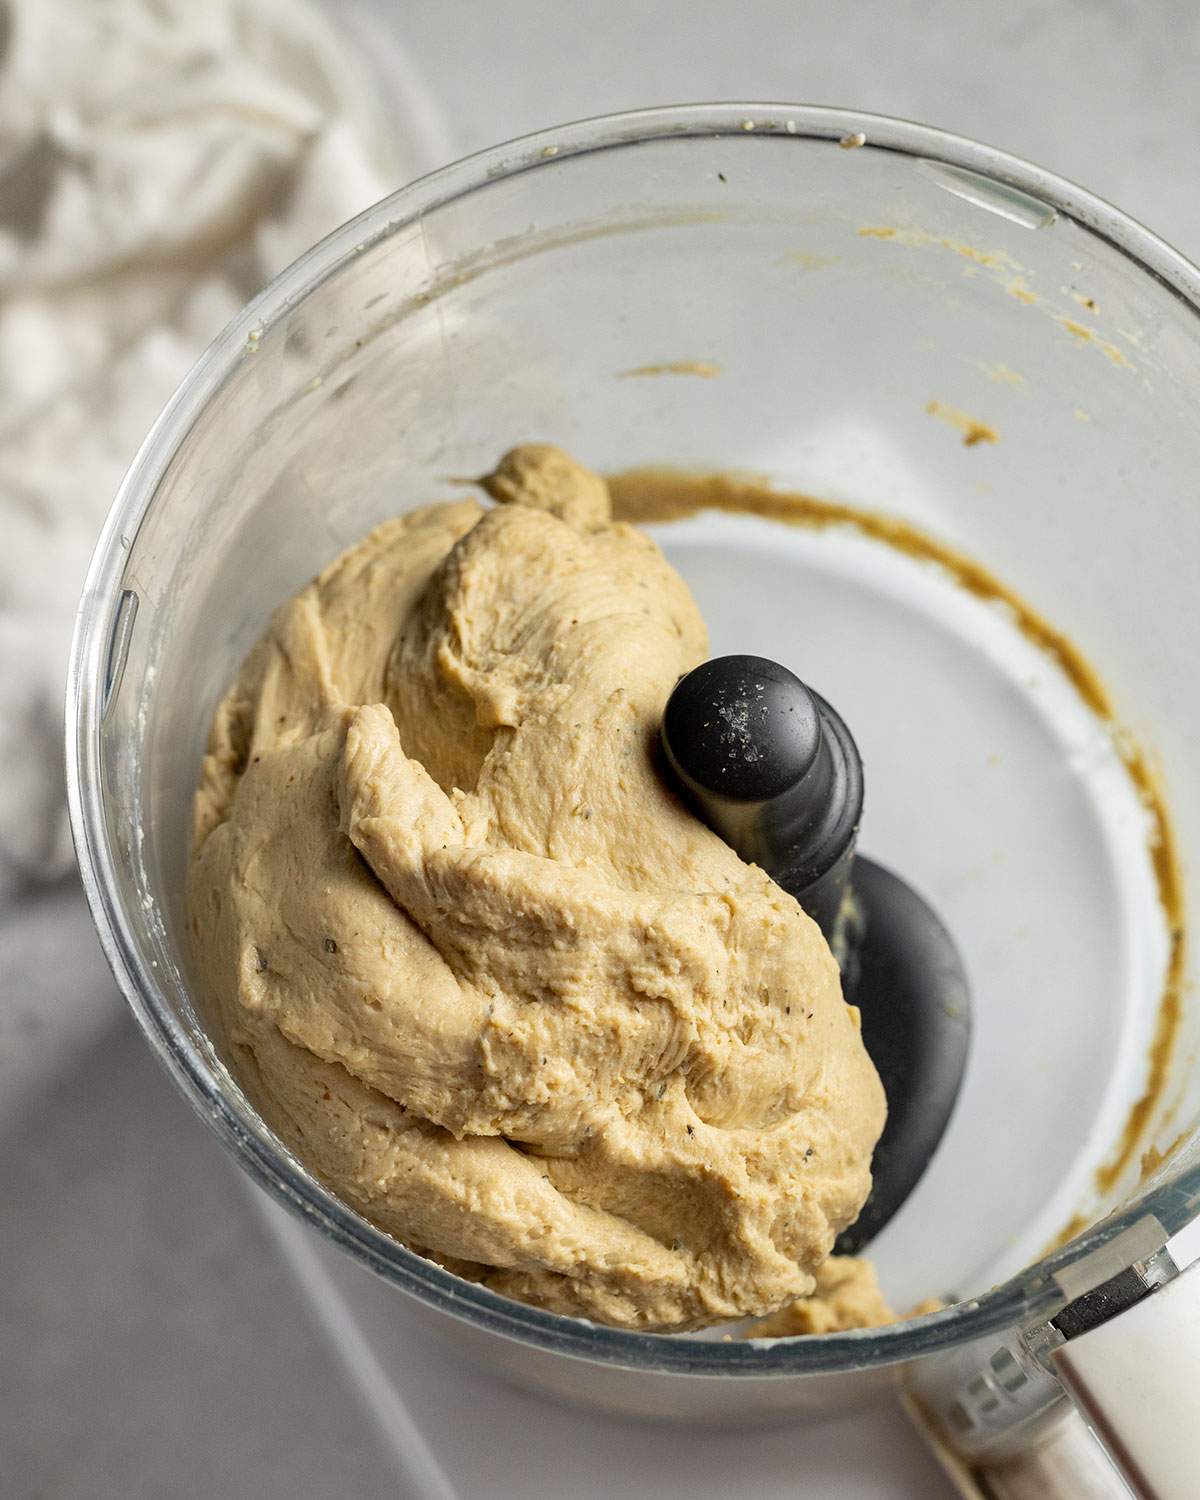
column 1028, row 1296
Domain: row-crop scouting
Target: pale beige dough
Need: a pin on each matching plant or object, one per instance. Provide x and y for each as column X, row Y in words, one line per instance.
column 477, row 965
column 847, row 1295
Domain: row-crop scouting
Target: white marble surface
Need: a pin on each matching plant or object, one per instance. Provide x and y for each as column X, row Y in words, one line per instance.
column 151, row 1340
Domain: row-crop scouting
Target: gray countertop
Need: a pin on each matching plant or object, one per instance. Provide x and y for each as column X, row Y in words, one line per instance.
column 151, row 1340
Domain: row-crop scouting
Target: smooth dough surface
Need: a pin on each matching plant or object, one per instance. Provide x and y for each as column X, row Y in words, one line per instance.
column 477, row 965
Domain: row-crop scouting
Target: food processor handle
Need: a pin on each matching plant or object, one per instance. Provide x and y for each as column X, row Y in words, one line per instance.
column 1136, row 1380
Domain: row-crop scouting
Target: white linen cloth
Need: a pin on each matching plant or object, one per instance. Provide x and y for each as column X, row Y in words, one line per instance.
column 160, row 160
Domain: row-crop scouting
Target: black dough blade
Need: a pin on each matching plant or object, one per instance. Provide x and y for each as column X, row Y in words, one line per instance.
column 906, row 977
column 773, row 769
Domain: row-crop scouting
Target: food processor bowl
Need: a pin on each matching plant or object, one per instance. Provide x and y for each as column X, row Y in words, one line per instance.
column 985, row 380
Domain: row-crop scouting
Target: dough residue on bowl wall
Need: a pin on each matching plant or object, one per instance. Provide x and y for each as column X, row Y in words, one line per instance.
column 703, row 369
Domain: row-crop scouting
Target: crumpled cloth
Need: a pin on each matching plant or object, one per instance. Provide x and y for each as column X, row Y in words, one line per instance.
column 160, row 161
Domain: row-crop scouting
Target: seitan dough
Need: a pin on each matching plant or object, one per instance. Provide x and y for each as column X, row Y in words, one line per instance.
column 474, row 962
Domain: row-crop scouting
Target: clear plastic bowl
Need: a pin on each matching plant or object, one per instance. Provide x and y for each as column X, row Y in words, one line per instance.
column 870, row 307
